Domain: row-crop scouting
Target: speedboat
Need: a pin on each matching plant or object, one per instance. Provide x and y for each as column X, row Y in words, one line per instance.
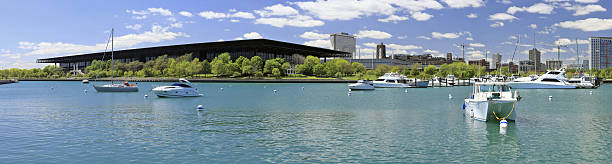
column 525, row 79
column 492, row 101
column 182, row 89
column 362, row 85
column 391, row 80
column 125, row 87
column 450, row 79
column 582, row 81
column 552, row 79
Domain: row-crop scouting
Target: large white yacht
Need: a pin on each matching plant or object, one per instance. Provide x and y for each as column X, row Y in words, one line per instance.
column 391, row 80
column 582, row 81
column 552, row 79
column 362, row 85
column 492, row 101
column 182, row 89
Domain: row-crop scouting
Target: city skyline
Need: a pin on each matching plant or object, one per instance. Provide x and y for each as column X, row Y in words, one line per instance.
column 60, row 28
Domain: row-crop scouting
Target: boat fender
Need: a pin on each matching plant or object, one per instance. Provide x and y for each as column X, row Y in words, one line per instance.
column 503, row 124
column 464, row 106
column 200, row 108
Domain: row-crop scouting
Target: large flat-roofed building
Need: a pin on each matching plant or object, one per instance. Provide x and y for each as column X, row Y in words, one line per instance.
column 601, row 53
column 343, row 42
column 264, row 48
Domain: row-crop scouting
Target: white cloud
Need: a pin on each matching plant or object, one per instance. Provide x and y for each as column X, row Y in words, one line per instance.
column 504, row 1
column 438, row 35
column 587, row 1
column 464, row 3
column 314, row 36
column 139, row 17
column 533, row 26
column 137, row 12
column 512, row 37
column 403, row 47
column 476, row 45
column 502, row 17
column 212, row 15
column 402, row 37
column 345, row 9
column 295, row 21
column 497, row 24
column 186, row 13
column 540, row 8
column 420, row 16
column 373, row 45
column 156, row 35
column 323, row 43
column 134, row 27
column 393, row 19
column 176, row 25
column 584, row 10
column 472, row 15
column 566, row 41
column 277, row 10
column 244, row 15
column 12, row 56
column 234, row 20
column 161, row 11
column 423, row 37
column 589, row 24
column 469, row 38
column 374, row 34
column 252, row 35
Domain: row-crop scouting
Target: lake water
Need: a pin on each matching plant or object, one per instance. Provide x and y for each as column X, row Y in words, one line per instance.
column 57, row 122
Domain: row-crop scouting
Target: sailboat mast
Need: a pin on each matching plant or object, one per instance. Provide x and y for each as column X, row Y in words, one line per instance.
column 578, row 55
column 535, row 57
column 112, row 54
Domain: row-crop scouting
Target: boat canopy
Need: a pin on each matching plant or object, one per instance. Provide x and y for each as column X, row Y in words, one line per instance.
column 181, row 85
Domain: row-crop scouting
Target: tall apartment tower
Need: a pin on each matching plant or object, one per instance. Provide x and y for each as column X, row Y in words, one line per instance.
column 381, row 51
column 449, row 56
column 601, row 53
column 343, row 42
column 496, row 61
column 534, row 55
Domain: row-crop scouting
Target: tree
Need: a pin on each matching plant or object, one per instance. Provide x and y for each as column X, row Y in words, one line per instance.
column 221, row 65
column 257, row 63
column 285, row 67
column 414, row 71
column 358, row 68
column 276, row 72
column 430, row 70
column 381, row 69
column 319, row 69
column 206, row 67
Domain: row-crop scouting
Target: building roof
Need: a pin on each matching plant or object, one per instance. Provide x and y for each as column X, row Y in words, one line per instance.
column 258, row 45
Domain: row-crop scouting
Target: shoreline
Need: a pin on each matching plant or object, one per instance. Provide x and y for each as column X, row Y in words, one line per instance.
column 224, row 80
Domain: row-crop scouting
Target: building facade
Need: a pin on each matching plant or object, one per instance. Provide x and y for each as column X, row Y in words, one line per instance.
column 343, row 42
column 496, row 61
column 381, row 51
column 601, row 53
column 553, row 64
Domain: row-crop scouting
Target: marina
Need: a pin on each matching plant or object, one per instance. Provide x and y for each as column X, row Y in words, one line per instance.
column 291, row 122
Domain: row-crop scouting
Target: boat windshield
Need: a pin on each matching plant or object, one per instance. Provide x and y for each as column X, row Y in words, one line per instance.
column 494, row 88
column 181, row 85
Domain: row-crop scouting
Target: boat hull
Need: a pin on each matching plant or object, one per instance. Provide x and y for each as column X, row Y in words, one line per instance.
column 162, row 93
column 391, row 85
column 539, row 85
column 361, row 87
column 115, row 88
column 488, row 110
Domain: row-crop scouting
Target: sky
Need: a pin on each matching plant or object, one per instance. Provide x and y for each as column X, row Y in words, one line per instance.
column 35, row 29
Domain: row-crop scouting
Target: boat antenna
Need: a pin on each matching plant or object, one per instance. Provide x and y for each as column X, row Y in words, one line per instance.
column 103, row 55
column 578, row 55
column 112, row 54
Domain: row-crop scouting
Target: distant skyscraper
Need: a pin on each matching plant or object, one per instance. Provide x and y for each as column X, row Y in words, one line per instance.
column 554, row 64
column 343, row 42
column 534, row 57
column 381, row 51
column 601, row 53
column 496, row 61
column 449, row 56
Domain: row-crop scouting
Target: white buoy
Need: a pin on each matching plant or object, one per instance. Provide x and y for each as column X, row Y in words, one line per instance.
column 200, row 108
column 450, row 96
column 590, row 92
column 302, row 88
column 349, row 93
column 549, row 98
column 405, row 90
column 503, row 124
column 145, row 96
column 221, row 89
column 275, row 91
column 85, row 91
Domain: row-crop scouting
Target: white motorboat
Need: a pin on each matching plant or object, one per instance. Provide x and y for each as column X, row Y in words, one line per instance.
column 492, row 101
column 450, row 79
column 582, row 81
column 182, row 89
column 112, row 87
column 362, row 85
column 552, row 79
column 391, row 80
column 525, row 79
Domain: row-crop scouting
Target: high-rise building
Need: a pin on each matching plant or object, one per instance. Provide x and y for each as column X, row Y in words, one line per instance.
column 496, row 61
column 601, row 53
column 585, row 64
column 343, row 42
column 449, row 56
column 534, row 55
column 554, row 64
column 381, row 51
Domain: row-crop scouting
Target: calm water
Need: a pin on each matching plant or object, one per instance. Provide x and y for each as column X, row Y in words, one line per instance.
column 57, row 122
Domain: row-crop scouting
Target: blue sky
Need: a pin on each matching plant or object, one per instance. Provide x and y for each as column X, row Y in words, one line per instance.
column 41, row 29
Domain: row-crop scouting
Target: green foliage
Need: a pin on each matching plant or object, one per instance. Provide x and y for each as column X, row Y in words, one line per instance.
column 430, row 70
column 381, row 69
column 358, row 68
column 415, row 70
column 276, row 72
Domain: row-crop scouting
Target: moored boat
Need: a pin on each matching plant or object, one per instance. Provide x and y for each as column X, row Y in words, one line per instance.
column 492, row 101
column 182, row 89
column 391, row 80
column 362, row 85
column 552, row 79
